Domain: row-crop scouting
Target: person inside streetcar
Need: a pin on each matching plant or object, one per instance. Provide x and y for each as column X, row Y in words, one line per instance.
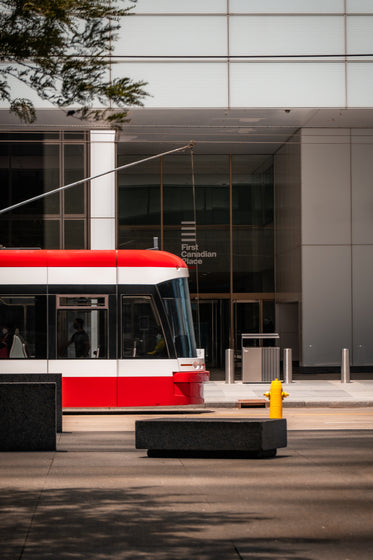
column 80, row 339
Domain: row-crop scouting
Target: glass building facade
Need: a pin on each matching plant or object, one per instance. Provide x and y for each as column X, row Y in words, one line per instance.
column 217, row 213
column 273, row 214
column 32, row 164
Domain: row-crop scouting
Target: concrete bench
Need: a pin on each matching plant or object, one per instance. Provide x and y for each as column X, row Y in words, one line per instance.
column 212, row 437
column 27, row 416
column 40, row 378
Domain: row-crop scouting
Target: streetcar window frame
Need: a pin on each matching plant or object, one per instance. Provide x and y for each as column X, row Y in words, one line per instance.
column 74, row 297
column 98, row 346
column 29, row 329
column 174, row 294
column 142, row 320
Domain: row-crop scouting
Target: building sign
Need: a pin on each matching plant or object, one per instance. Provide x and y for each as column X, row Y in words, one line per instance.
column 191, row 252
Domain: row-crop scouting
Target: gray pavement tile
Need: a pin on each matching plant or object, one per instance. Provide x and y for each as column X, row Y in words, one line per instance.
column 321, row 548
column 305, row 392
column 99, row 498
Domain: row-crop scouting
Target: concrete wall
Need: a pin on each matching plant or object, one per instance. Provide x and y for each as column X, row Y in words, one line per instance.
column 324, row 245
column 362, row 245
column 218, row 53
column 287, row 179
column 337, row 246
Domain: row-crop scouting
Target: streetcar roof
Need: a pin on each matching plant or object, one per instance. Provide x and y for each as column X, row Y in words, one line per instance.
column 89, row 258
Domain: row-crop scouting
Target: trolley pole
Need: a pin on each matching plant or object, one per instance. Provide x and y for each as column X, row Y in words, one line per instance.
column 81, row 181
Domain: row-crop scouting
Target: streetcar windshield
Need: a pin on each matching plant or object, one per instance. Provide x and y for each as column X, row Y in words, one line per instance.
column 175, row 295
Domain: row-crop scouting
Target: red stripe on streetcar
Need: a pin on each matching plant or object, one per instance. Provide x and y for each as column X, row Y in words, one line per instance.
column 22, row 257
column 149, row 258
column 85, row 258
column 82, row 258
column 89, row 391
column 130, row 391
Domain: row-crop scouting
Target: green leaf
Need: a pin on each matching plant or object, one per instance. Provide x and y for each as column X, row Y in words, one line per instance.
column 60, row 49
column 24, row 109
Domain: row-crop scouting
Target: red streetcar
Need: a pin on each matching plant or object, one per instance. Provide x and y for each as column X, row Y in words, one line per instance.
column 116, row 324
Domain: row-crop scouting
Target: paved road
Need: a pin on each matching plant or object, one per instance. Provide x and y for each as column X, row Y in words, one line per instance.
column 99, row 498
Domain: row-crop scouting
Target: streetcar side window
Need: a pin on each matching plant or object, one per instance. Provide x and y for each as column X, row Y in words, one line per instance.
column 23, row 325
column 142, row 333
column 175, row 296
column 82, row 326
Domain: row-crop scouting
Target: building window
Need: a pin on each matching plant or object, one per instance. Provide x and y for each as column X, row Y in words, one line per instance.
column 31, row 165
column 252, row 224
column 139, row 204
column 223, row 229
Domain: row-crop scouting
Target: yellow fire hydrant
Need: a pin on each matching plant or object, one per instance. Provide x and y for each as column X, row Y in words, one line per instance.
column 275, row 395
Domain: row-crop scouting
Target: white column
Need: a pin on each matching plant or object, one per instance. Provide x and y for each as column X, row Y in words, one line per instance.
column 102, row 211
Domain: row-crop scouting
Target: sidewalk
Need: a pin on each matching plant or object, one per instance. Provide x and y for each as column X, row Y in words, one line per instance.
column 310, row 393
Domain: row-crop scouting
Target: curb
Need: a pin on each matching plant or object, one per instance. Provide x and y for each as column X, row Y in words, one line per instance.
column 301, row 404
column 203, row 408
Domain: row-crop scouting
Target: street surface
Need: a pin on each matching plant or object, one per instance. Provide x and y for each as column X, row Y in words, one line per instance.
column 297, row 418
column 99, row 498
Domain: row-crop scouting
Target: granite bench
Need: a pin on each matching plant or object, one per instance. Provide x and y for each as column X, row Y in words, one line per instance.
column 39, row 378
column 211, row 437
column 27, row 416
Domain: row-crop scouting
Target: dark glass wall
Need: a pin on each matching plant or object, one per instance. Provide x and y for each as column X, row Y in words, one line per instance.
column 196, row 220
column 34, row 164
column 252, row 216
column 139, row 204
column 221, row 223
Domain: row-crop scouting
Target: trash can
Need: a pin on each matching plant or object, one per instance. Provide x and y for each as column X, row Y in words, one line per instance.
column 260, row 363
